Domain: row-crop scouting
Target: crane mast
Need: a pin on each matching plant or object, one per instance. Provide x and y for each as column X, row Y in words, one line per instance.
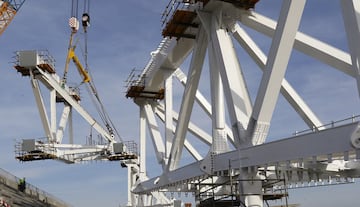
column 8, row 10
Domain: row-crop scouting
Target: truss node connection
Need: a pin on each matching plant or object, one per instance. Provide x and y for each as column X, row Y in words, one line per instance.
column 235, row 165
column 228, row 158
column 39, row 66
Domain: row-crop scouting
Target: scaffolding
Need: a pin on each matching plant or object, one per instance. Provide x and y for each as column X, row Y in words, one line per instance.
column 232, row 195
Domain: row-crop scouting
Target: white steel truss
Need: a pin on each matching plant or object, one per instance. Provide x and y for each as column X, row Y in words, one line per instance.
column 38, row 65
column 53, row 146
column 235, row 145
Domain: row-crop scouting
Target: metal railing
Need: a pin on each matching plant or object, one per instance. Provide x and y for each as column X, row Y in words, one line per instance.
column 12, row 181
column 175, row 5
column 332, row 124
column 131, row 147
column 42, row 145
column 170, row 9
column 139, row 79
column 45, row 57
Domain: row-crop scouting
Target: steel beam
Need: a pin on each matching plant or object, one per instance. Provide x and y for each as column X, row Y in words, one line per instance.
column 41, row 106
column 53, row 113
column 275, row 69
column 169, row 55
column 48, row 79
column 304, row 43
column 319, row 145
column 168, row 112
column 62, row 125
column 193, row 129
column 157, row 141
column 200, row 99
column 351, row 16
column 188, row 99
column 196, row 155
column 286, row 90
column 142, row 137
column 204, row 104
column 223, row 55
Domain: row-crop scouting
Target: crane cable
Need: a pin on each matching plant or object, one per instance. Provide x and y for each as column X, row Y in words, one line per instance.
column 74, row 25
column 74, row 8
column 91, row 88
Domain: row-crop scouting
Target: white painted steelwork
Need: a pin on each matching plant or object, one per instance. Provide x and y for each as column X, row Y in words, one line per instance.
column 235, row 145
column 237, row 160
column 41, row 70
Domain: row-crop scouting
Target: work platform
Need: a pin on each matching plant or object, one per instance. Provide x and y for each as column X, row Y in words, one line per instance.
column 34, row 150
column 26, row 60
column 179, row 17
column 136, row 91
column 136, row 88
column 124, row 151
column 122, row 157
column 32, row 156
column 34, row 61
column 179, row 23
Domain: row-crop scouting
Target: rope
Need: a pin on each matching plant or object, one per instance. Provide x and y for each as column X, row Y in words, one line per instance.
column 86, row 6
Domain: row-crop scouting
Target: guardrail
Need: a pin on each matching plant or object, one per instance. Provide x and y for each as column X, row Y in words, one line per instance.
column 12, row 181
column 175, row 5
column 332, row 124
column 172, row 6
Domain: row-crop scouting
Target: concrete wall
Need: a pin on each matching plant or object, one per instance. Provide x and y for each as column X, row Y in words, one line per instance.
column 31, row 196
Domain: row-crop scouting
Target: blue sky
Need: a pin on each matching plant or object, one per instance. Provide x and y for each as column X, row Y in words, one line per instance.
column 121, row 37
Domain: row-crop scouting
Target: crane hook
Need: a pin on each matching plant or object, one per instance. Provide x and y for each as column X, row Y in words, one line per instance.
column 85, row 21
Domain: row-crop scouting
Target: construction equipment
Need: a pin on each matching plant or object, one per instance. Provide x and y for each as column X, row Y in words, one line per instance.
column 74, row 25
column 72, row 56
column 8, row 10
column 40, row 67
column 238, row 168
column 238, row 164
